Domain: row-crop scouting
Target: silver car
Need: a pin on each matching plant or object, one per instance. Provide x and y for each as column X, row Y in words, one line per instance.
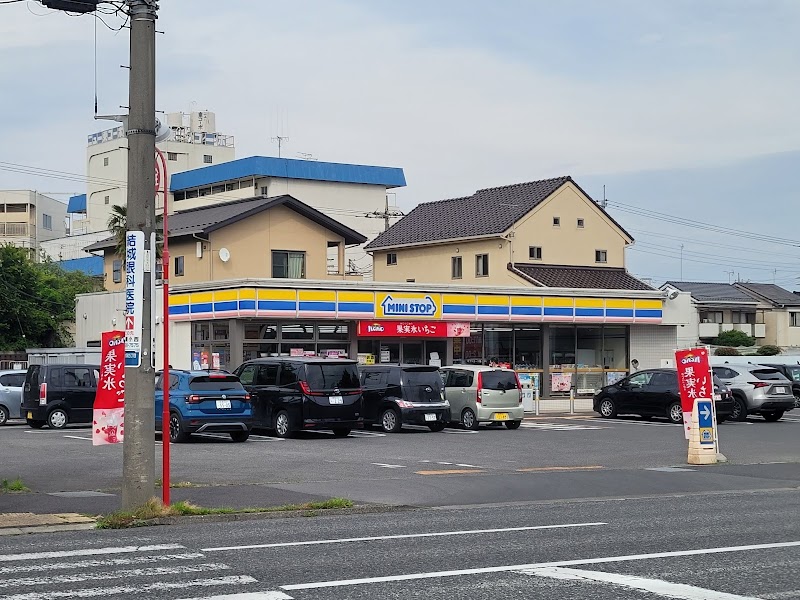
column 480, row 394
column 11, row 383
column 756, row 390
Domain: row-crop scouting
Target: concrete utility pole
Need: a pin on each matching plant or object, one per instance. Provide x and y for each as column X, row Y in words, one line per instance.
column 138, row 458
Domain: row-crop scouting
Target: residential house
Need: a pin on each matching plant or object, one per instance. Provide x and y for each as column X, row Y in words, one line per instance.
column 28, row 218
column 783, row 317
column 546, row 233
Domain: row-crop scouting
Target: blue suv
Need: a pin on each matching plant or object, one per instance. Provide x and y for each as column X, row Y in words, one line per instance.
column 204, row 402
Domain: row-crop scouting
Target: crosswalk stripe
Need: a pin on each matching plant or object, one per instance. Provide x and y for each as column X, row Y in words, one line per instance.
column 87, row 564
column 88, row 552
column 129, row 589
column 124, row 573
column 247, row 596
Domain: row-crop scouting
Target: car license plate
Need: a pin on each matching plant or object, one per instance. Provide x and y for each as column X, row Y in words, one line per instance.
column 501, row 416
column 780, row 390
column 223, row 403
column 30, row 415
column 336, row 400
column 430, row 417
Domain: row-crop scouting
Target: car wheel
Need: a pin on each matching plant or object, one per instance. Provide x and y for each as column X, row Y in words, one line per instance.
column 341, row 431
column 675, row 413
column 772, row 416
column 57, row 419
column 513, row 424
column 35, row 424
column 739, row 410
column 240, row 436
column 3, row 415
column 177, row 435
column 797, row 399
column 607, row 408
column 283, row 425
column 390, row 421
column 438, row 426
column 469, row 420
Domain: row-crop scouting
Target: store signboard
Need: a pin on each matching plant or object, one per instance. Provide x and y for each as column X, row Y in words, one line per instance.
column 430, row 329
column 408, row 306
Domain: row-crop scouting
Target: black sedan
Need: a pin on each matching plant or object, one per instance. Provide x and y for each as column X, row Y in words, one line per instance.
column 654, row 393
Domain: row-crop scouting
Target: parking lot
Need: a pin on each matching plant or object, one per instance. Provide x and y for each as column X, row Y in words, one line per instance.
column 557, row 456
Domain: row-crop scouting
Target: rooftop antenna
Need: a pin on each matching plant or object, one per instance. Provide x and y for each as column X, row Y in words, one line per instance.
column 605, row 201
column 280, row 139
column 730, row 275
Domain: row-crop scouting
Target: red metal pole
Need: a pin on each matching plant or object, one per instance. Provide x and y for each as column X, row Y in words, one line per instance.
column 165, row 479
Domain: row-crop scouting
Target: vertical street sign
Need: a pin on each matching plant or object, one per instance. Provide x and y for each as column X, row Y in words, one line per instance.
column 134, row 289
column 705, row 417
column 694, row 381
column 108, row 411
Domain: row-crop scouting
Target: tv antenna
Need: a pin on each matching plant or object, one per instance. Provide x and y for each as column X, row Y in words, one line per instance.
column 280, row 139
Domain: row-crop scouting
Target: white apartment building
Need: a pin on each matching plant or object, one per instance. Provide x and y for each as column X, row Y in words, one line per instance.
column 194, row 142
column 28, row 218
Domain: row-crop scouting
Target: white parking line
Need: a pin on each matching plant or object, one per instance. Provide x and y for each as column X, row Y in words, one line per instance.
column 659, row 587
column 385, row 466
column 75, row 437
column 88, row 552
column 402, row 536
column 506, row 568
column 247, row 596
column 458, row 431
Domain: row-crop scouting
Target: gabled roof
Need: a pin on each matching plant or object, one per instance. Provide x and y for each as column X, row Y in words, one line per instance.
column 288, row 168
column 204, row 220
column 487, row 212
column 564, row 276
column 771, row 293
column 712, row 292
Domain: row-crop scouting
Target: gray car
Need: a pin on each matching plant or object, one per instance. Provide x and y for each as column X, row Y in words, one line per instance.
column 757, row 390
column 11, row 383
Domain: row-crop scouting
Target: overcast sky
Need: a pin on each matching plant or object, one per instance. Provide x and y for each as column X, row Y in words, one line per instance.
column 683, row 108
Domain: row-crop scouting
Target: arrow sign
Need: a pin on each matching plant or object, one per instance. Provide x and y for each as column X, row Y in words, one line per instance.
column 704, row 414
column 129, row 322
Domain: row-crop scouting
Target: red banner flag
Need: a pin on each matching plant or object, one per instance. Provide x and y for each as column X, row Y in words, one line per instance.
column 109, row 402
column 694, row 381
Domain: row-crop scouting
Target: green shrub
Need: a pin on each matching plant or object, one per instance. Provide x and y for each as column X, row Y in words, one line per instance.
column 734, row 338
column 727, row 351
column 768, row 350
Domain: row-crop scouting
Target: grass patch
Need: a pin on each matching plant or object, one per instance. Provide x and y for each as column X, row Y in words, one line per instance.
column 176, row 484
column 15, row 485
column 153, row 509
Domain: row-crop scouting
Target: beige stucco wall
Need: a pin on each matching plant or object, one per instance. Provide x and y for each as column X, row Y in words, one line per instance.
column 781, row 334
column 566, row 244
column 250, row 243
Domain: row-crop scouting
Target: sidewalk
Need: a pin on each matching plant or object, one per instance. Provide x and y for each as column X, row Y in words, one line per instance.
column 19, row 523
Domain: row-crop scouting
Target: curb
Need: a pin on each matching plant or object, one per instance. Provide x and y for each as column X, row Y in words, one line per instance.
column 45, row 529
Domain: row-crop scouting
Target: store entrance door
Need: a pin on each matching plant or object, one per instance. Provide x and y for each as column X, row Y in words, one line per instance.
column 412, row 353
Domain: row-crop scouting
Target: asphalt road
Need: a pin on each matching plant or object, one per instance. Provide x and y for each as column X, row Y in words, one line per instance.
column 546, row 459
column 730, row 546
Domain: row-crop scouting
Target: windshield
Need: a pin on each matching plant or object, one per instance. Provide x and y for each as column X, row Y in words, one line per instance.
column 330, row 376
column 768, row 374
column 794, row 373
column 498, row 380
column 422, row 377
column 215, row 383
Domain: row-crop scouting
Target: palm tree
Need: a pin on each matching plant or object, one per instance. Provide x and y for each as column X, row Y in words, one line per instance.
column 118, row 224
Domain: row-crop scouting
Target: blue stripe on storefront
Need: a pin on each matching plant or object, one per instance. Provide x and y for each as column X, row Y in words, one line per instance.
column 203, row 307
column 276, row 305
column 588, row 312
column 619, row 312
column 526, row 310
column 360, row 307
column 247, row 304
column 227, row 305
column 650, row 313
column 179, row 310
column 458, row 309
column 556, row 311
column 492, row 310
column 318, row 306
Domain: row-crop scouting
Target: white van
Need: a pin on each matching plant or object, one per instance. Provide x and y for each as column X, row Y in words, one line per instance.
column 479, row 394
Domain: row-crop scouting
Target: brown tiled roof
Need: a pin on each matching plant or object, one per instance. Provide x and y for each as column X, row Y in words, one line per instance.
column 489, row 211
column 712, row 292
column 563, row 276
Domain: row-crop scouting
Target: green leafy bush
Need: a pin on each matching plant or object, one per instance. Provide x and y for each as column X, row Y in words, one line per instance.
column 734, row 338
column 727, row 351
column 768, row 350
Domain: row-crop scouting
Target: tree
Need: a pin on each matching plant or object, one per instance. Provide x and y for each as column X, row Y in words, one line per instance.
column 768, row 350
column 37, row 301
column 118, row 224
column 734, row 337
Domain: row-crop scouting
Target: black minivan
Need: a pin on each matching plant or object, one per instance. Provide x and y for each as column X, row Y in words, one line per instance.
column 398, row 394
column 55, row 395
column 291, row 394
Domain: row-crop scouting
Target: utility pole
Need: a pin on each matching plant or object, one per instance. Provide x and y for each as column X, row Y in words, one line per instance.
column 385, row 215
column 138, row 458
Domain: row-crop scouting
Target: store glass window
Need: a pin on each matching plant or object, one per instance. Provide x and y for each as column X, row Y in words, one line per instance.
column 251, row 351
column 615, row 348
column 527, row 348
column 297, row 331
column 562, row 359
column 201, row 331
column 498, row 344
column 260, row 331
column 220, row 329
column 589, row 360
column 334, row 331
column 473, row 346
column 290, row 348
